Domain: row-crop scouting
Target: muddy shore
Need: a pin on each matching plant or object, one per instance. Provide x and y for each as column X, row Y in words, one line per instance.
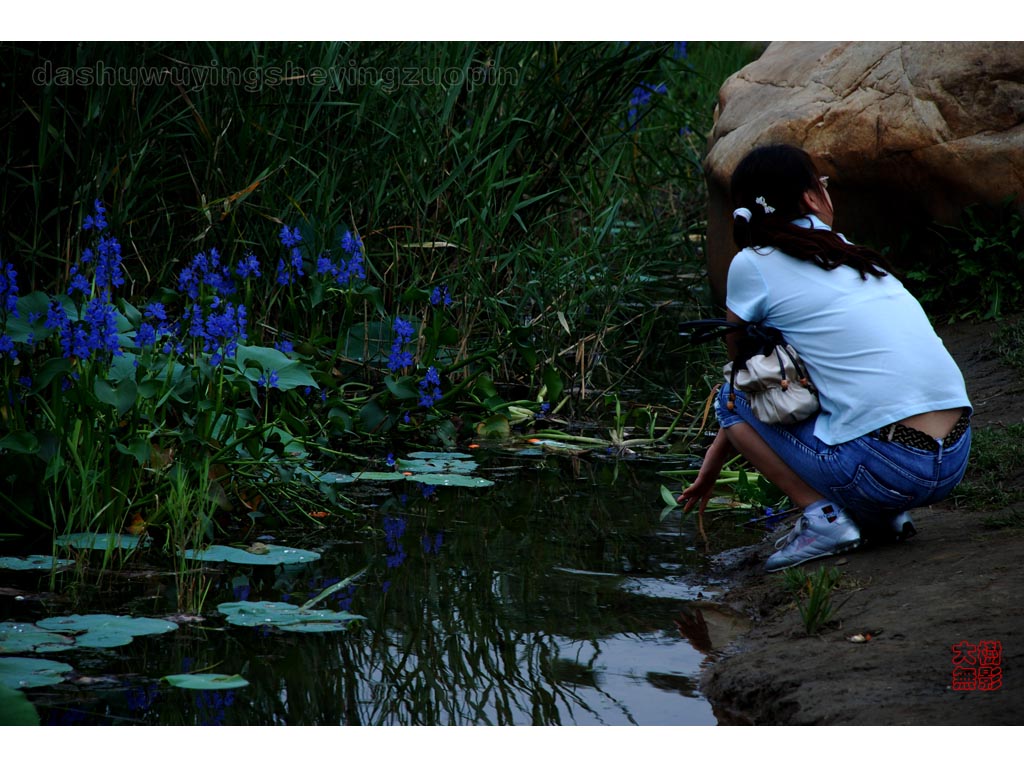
column 956, row 581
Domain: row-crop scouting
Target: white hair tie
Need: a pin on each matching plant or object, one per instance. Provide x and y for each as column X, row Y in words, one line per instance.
column 742, row 213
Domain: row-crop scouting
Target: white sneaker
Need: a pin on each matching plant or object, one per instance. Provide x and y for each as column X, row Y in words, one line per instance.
column 903, row 526
column 823, row 532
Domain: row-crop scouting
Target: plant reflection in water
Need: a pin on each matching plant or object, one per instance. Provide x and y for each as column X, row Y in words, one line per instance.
column 514, row 604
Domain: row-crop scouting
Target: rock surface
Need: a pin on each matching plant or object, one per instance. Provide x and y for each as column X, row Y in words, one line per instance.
column 907, row 132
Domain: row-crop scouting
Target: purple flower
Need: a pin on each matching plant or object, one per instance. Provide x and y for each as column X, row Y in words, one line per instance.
column 640, row 98
column 440, row 295
column 8, row 288
column 430, row 388
column 206, row 270
column 7, row 347
column 286, row 272
column 290, row 237
column 399, row 357
column 96, row 220
column 146, row 335
column 248, row 266
column 344, row 270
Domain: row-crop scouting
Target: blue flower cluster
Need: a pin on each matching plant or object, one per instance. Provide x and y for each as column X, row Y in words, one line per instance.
column 218, row 324
column 288, row 271
column 94, row 333
column 399, row 357
column 8, row 288
column 248, row 266
column 268, row 380
column 430, row 388
column 440, row 296
column 8, row 305
column 104, row 261
column 206, row 270
column 154, row 325
column 345, row 270
column 641, row 97
column 220, row 329
column 97, row 219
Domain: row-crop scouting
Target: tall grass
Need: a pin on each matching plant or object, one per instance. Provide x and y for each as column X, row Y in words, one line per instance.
column 551, row 191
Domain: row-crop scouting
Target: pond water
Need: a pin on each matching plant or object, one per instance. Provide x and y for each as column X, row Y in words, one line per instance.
column 547, row 598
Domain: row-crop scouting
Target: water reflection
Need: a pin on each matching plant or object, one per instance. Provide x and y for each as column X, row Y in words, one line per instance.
column 550, row 598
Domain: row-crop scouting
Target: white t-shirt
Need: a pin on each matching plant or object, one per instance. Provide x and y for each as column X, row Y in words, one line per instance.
column 868, row 345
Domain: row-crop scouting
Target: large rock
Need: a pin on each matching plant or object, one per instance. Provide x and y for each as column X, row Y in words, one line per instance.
column 909, row 133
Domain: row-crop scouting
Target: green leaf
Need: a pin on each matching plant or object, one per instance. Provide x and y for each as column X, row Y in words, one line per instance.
column 20, row 441
column 16, row 709
column 379, row 476
column 103, row 630
column 18, row 672
column 553, row 382
column 121, row 396
column 461, row 481
column 273, row 555
column 139, row 448
column 668, row 497
column 332, row 589
column 256, row 362
column 20, row 637
column 292, row 618
column 104, row 541
column 206, row 681
column 33, row 563
column 436, row 463
column 404, row 388
column 495, row 426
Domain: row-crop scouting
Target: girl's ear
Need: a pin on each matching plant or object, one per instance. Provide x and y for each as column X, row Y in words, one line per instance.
column 818, row 202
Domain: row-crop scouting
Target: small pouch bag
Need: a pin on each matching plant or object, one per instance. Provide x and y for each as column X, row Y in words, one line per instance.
column 776, row 384
column 766, row 368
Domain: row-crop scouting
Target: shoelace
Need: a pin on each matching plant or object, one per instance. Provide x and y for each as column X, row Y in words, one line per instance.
column 795, row 531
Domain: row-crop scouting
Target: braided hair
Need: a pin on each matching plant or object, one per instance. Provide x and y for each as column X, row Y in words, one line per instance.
column 768, row 188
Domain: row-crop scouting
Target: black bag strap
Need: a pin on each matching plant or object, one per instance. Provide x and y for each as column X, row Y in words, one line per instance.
column 703, row 331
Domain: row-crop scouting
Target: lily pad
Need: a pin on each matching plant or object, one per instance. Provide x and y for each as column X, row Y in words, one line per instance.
column 327, row 478
column 437, row 465
column 462, row 481
column 207, row 681
column 439, row 455
column 382, row 476
column 33, row 563
column 286, row 616
column 20, row 672
column 102, row 630
column 18, row 637
column 104, row 541
column 270, row 554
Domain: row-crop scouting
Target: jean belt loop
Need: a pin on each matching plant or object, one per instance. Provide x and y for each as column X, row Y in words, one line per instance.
column 939, row 440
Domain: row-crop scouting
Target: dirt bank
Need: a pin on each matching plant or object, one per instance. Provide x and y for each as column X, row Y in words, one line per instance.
column 955, row 581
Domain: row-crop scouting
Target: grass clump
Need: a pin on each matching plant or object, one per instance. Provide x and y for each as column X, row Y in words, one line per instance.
column 994, row 480
column 813, row 594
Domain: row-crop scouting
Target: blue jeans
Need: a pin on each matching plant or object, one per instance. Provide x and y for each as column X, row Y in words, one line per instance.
column 872, row 478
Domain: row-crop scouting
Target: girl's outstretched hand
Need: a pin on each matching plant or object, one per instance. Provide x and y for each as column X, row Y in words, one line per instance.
column 700, row 493
column 704, row 486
